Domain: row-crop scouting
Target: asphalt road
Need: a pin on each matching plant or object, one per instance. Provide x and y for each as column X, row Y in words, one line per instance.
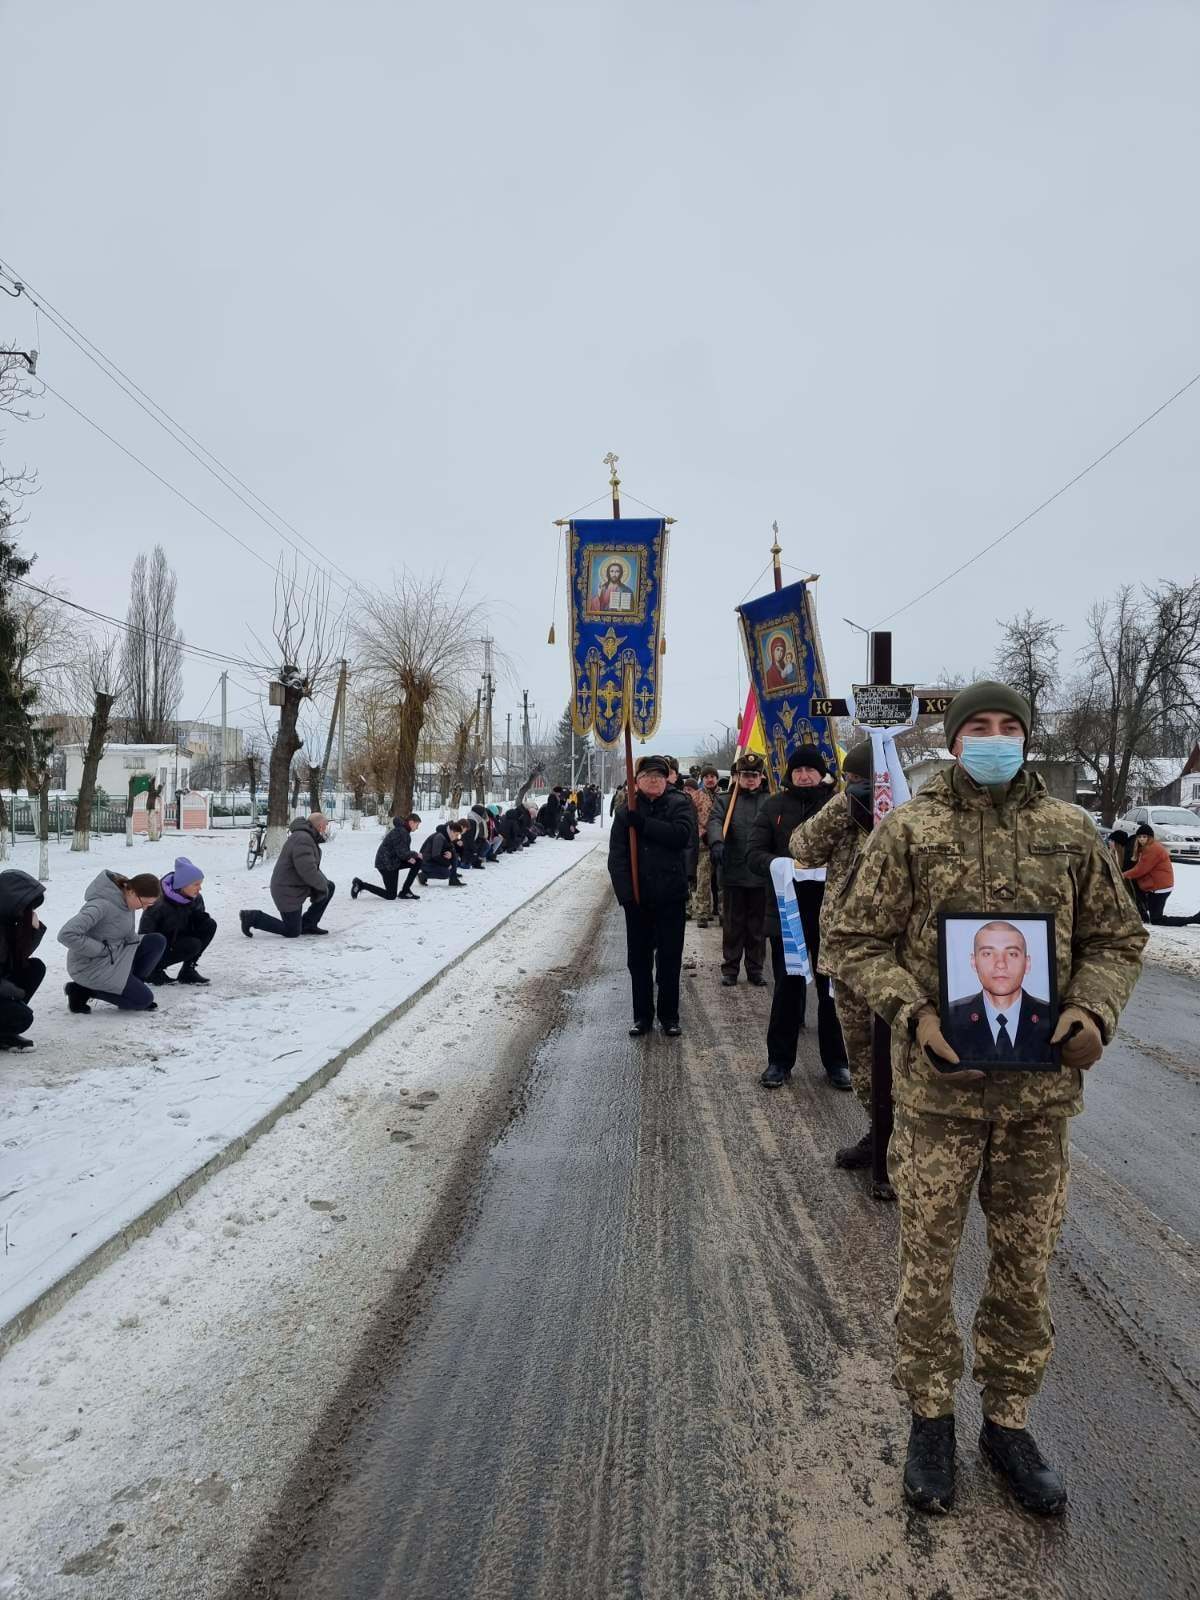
column 655, row 1361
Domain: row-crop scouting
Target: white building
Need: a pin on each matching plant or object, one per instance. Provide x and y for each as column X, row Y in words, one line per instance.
column 120, row 762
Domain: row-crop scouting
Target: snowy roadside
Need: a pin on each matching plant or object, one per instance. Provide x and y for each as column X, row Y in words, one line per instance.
column 1179, row 948
column 109, row 1121
column 149, row 1428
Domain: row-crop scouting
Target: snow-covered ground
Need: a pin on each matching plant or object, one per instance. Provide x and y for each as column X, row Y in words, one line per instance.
column 149, row 1428
column 112, row 1112
column 1179, row 948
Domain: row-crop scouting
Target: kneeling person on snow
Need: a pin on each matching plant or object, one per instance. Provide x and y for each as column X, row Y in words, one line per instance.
column 441, row 854
column 180, row 917
column 21, row 972
column 297, row 878
column 983, row 837
column 395, row 854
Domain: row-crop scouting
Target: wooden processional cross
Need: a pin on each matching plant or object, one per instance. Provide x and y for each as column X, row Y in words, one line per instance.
column 882, row 704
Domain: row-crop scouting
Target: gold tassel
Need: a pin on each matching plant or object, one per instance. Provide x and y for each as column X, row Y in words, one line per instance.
column 550, row 640
column 662, row 645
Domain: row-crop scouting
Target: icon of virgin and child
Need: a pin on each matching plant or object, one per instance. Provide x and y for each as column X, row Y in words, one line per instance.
column 780, row 662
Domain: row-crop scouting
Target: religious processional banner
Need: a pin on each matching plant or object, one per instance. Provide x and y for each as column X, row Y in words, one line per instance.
column 618, row 578
column 786, row 672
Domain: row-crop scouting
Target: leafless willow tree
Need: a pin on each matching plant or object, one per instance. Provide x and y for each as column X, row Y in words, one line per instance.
column 420, row 641
column 372, row 725
column 153, row 655
column 1138, row 678
column 309, row 636
column 98, row 681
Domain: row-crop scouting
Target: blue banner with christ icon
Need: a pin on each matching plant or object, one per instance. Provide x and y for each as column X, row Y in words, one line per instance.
column 618, row 577
column 783, row 657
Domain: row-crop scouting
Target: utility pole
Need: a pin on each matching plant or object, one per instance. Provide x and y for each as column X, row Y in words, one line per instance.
column 341, row 766
column 338, row 702
column 488, row 679
column 508, row 755
column 224, row 733
column 525, row 736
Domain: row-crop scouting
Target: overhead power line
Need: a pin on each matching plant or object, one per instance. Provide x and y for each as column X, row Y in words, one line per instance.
column 175, row 430
column 1049, row 501
column 115, row 622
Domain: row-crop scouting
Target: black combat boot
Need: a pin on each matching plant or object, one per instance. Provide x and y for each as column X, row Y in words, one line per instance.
column 775, row 1076
column 1016, row 1457
column 640, row 1029
column 244, row 919
column 929, row 1468
column 856, row 1155
column 839, row 1076
column 159, row 975
column 355, row 888
column 188, row 974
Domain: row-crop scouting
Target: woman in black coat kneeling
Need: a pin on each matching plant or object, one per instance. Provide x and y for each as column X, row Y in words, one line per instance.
column 21, row 973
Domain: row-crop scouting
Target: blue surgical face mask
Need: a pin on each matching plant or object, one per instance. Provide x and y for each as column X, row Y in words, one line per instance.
column 993, row 760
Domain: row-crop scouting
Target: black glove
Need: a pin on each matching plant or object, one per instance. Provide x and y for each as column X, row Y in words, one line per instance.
column 637, row 819
column 716, row 852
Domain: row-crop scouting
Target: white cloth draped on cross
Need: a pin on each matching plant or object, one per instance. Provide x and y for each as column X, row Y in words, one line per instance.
column 891, row 786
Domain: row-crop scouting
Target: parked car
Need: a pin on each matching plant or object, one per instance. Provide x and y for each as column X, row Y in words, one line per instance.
column 1175, row 826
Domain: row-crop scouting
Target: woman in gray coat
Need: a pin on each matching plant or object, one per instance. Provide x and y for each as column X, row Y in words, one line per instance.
column 106, row 959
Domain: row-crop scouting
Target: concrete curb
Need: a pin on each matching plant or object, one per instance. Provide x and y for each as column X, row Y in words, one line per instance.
column 54, row 1297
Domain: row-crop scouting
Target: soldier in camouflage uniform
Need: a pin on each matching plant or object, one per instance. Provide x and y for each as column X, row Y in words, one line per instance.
column 984, row 836
column 832, row 839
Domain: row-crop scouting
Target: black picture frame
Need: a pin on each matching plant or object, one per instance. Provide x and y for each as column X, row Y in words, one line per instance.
column 964, row 1020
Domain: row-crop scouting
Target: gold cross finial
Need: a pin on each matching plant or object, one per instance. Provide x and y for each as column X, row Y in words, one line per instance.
column 776, row 548
column 610, row 461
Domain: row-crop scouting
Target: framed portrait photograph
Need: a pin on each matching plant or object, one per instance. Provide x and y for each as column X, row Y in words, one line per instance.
column 999, row 990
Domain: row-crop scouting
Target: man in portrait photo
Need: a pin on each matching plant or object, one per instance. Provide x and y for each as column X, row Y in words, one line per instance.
column 1003, row 1022
column 614, row 594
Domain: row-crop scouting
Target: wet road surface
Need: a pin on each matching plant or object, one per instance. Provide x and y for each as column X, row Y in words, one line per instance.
column 656, row 1360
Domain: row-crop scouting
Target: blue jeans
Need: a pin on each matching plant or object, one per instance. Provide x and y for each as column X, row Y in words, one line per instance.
column 136, row 995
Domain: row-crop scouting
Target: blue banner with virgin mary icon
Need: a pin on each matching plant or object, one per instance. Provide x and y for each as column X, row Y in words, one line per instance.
column 618, row 577
column 783, row 657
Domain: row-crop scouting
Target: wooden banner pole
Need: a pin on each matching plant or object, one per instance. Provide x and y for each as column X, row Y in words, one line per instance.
column 614, row 483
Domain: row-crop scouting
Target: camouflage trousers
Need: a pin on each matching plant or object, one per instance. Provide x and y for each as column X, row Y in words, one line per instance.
column 700, row 906
column 1022, row 1168
column 857, row 1026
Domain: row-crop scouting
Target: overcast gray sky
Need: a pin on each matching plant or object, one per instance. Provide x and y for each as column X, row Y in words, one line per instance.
column 889, row 274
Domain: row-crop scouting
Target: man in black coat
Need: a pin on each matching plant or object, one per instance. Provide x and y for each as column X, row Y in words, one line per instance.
column 807, row 789
column 440, row 855
column 395, row 854
column 664, row 822
column 183, row 922
column 743, row 889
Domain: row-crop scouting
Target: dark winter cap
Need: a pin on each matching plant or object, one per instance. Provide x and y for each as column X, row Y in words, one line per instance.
column 856, row 763
column 186, row 873
column 807, row 755
column 652, row 764
column 985, row 696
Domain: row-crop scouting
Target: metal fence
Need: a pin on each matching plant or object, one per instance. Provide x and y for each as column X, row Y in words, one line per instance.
column 23, row 818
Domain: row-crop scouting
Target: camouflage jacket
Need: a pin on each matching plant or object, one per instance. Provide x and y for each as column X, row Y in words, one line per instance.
column 952, row 849
column 830, row 839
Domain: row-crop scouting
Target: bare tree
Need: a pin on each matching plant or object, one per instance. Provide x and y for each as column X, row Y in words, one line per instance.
column 99, row 681
column 372, row 726
column 153, row 657
column 1139, row 675
column 308, row 638
column 1027, row 659
column 420, row 641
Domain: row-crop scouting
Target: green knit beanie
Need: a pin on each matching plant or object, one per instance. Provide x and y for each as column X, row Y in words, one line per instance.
column 856, row 763
column 985, row 697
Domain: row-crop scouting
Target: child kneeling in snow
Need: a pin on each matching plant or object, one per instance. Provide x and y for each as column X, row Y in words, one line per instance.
column 183, row 922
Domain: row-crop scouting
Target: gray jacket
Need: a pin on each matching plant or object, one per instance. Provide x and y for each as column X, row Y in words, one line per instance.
column 297, row 876
column 100, row 939
column 736, row 870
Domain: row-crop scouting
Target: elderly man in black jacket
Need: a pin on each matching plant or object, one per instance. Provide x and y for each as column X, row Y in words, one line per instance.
column 664, row 823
